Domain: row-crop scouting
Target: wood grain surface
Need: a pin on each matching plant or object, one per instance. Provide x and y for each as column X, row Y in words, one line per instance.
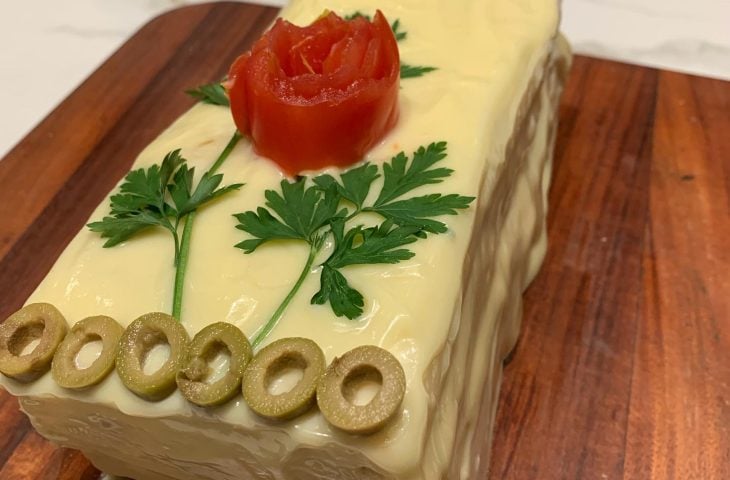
column 623, row 366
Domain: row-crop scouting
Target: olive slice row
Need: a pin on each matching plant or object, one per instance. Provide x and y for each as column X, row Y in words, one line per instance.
column 334, row 388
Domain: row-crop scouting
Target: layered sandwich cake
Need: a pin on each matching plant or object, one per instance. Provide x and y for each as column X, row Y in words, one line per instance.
column 317, row 271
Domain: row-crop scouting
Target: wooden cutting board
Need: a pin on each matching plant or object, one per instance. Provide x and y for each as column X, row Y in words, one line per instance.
column 623, row 367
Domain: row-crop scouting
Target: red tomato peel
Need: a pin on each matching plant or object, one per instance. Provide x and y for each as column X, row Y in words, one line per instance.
column 317, row 96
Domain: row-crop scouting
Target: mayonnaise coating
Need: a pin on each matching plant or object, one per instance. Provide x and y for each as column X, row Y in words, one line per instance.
column 449, row 315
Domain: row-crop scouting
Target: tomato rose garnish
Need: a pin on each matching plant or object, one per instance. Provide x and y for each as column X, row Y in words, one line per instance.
column 317, row 96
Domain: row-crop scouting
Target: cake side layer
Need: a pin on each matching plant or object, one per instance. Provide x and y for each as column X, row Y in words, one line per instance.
column 480, row 401
column 500, row 263
column 197, row 446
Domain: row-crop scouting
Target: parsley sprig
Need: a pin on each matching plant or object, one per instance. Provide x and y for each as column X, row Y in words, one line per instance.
column 326, row 207
column 164, row 196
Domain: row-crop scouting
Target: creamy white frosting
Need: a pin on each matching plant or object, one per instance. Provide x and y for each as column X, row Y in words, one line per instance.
column 449, row 314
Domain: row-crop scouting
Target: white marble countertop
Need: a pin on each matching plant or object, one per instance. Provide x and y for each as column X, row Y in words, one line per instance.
column 49, row 46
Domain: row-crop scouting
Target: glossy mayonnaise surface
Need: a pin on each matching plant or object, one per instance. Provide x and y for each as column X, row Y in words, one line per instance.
column 492, row 98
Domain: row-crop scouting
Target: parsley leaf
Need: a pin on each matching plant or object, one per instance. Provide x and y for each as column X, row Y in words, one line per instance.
column 355, row 184
column 303, row 209
column 399, row 34
column 400, row 177
column 344, row 300
column 264, row 227
column 326, row 206
column 206, row 191
column 359, row 246
column 417, row 211
column 211, row 93
column 143, row 199
column 141, row 203
column 413, row 71
column 301, row 212
column 357, row 14
column 163, row 196
column 372, row 245
column 119, row 229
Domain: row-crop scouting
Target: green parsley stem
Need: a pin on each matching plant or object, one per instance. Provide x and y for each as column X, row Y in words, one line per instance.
column 176, row 241
column 264, row 332
column 226, row 151
column 182, row 246
column 182, row 266
column 353, row 214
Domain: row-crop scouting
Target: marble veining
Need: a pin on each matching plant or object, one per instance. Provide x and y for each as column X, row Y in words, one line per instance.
column 669, row 9
column 691, row 37
column 71, row 39
column 85, row 32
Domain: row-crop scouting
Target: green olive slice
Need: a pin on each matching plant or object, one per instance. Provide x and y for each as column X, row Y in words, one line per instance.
column 65, row 369
column 140, row 337
column 193, row 377
column 270, row 362
column 40, row 322
column 337, row 390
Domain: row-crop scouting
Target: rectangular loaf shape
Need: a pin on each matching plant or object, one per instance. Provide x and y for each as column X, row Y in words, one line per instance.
column 450, row 314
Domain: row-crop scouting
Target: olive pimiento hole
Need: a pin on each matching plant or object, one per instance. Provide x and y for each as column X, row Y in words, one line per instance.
column 155, row 356
column 285, row 373
column 26, row 338
column 218, row 361
column 362, row 385
column 89, row 352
